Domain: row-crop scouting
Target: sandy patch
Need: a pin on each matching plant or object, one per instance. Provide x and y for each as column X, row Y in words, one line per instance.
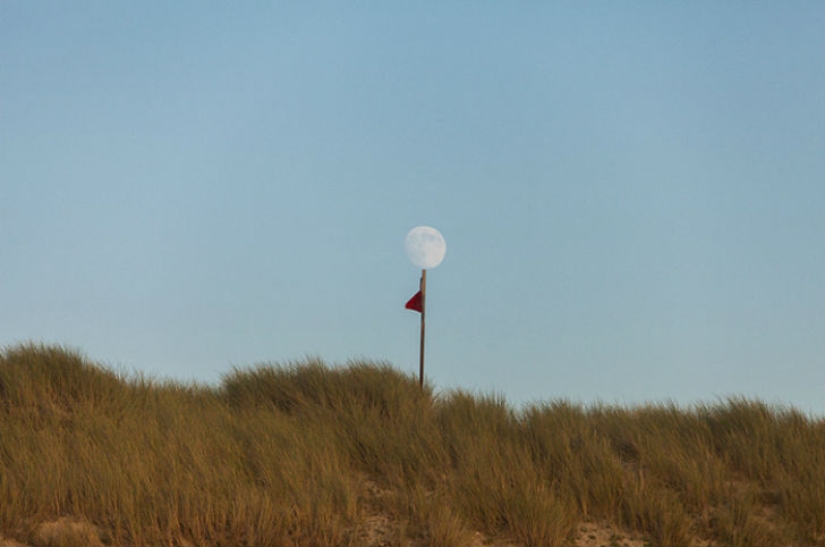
column 591, row 534
column 67, row 532
column 8, row 542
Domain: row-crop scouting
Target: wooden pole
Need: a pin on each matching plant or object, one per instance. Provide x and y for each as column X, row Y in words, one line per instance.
column 423, row 288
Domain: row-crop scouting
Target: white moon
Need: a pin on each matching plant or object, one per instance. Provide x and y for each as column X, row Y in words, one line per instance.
column 425, row 247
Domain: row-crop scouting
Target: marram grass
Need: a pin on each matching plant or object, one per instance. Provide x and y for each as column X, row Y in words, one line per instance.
column 308, row 454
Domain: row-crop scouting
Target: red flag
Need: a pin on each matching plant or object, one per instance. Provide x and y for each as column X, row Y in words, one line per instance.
column 414, row 303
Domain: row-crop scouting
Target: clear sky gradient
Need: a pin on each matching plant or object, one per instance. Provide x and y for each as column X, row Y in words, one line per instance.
column 631, row 192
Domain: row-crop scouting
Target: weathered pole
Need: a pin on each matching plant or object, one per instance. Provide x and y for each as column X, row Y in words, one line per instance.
column 423, row 288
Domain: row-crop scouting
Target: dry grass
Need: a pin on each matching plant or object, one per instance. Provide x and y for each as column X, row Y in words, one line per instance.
column 310, row 454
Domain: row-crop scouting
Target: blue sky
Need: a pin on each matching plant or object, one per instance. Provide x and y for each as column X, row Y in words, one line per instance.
column 631, row 193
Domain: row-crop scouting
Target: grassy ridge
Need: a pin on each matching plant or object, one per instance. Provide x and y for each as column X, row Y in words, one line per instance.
column 309, row 454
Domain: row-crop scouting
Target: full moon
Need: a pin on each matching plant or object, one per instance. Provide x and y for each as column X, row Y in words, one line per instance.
column 425, row 247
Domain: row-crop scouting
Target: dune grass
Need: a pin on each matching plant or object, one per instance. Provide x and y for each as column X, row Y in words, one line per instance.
column 308, row 454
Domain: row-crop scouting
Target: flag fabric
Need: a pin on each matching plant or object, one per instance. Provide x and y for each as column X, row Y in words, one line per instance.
column 414, row 303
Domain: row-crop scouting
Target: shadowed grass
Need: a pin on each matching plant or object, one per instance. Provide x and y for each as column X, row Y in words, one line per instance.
column 311, row 454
